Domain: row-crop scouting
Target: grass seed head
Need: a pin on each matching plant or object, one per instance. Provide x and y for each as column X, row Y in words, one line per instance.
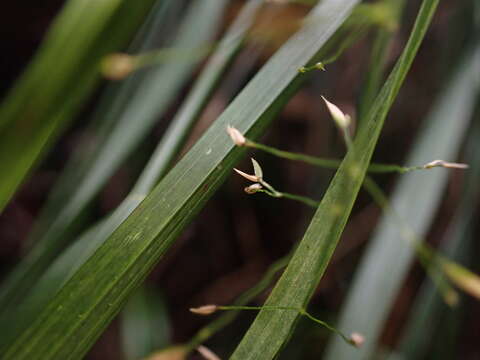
column 204, row 310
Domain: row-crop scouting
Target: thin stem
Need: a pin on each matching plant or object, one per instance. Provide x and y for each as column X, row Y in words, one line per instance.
column 350, row 40
column 313, row 160
column 279, row 194
column 225, row 319
column 299, row 310
column 326, row 162
column 306, row 200
column 425, row 255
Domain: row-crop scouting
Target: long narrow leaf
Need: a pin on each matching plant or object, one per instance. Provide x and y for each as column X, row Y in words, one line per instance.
column 58, row 81
column 372, row 292
column 114, row 100
column 72, row 321
column 15, row 320
column 271, row 330
column 149, row 100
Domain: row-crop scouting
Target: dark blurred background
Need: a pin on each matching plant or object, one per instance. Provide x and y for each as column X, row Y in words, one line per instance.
column 230, row 245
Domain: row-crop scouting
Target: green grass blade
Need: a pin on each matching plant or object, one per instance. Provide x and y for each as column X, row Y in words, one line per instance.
column 372, row 292
column 58, row 80
column 72, row 258
column 425, row 316
column 76, row 316
column 176, row 134
column 150, row 99
column 112, row 103
column 270, row 331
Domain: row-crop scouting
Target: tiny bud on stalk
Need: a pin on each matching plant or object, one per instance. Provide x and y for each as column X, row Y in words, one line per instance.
column 320, row 66
column 252, row 189
column 247, row 176
column 207, row 353
column 117, row 66
column 342, row 120
column 445, row 164
column 357, row 339
column 204, row 310
column 236, row 136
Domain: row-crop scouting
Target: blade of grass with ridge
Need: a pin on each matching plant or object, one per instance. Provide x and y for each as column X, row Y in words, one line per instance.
column 57, row 82
column 154, row 32
column 372, row 293
column 71, row 259
column 424, row 318
column 76, row 316
column 150, row 99
column 271, row 329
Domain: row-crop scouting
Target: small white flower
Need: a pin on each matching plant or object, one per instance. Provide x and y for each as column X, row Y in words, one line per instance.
column 445, row 164
column 236, row 136
column 357, row 339
column 247, row 176
column 342, row 120
column 204, row 310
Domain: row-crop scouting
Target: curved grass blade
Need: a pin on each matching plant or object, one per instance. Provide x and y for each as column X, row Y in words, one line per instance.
column 149, row 100
column 72, row 258
column 57, row 82
column 425, row 317
column 269, row 332
column 71, row 322
column 372, row 292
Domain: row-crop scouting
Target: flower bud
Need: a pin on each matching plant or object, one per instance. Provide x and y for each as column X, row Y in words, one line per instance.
column 253, row 178
column 252, row 189
column 117, row 66
column 342, row 120
column 445, row 164
column 236, row 136
column 207, row 353
column 320, row 66
column 204, row 310
column 357, row 339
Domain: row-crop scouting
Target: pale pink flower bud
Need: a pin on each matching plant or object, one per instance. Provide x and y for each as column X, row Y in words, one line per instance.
column 445, row 164
column 207, row 353
column 357, row 339
column 252, row 189
column 342, row 120
column 236, row 136
column 204, row 310
column 253, row 178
